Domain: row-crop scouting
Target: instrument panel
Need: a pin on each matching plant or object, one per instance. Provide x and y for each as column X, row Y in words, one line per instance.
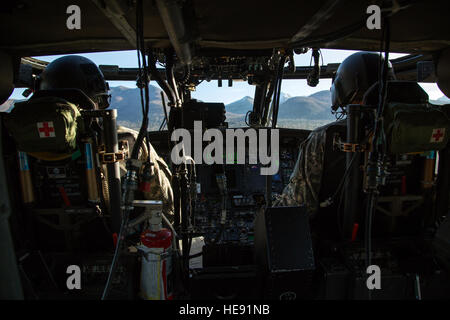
column 246, row 190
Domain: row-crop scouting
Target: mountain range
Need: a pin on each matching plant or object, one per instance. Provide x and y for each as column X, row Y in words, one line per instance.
column 299, row 111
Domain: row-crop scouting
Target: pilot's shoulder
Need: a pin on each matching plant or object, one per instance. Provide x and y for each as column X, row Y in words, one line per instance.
column 124, row 131
column 324, row 128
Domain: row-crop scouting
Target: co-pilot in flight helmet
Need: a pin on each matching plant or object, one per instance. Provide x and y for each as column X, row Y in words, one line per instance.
column 355, row 75
column 77, row 72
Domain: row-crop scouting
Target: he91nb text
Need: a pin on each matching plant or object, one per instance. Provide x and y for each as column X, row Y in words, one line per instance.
column 240, row 309
column 230, row 309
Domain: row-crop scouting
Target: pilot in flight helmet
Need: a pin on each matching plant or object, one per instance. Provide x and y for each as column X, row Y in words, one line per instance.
column 354, row 76
column 77, row 72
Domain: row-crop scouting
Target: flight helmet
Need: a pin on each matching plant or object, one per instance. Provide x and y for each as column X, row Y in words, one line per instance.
column 354, row 76
column 77, row 72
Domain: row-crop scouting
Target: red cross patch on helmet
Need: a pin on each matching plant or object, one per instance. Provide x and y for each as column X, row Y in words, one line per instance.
column 437, row 135
column 46, row 129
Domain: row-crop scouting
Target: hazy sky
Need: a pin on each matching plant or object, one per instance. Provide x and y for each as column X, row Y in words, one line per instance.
column 210, row 92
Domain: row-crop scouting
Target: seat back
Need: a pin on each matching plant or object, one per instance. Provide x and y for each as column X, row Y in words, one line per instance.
column 414, row 130
column 56, row 168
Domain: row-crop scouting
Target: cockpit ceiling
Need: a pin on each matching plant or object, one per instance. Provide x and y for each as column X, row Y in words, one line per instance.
column 32, row 28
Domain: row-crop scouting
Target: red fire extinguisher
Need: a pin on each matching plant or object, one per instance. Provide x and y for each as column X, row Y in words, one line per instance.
column 156, row 272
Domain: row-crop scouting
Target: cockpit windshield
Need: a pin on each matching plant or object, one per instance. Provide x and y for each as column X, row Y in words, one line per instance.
column 301, row 106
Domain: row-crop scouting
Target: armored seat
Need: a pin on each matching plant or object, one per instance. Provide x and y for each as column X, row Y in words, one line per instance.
column 60, row 184
column 415, row 131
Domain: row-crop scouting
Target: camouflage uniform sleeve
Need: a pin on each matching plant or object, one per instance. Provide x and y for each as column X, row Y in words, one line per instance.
column 161, row 188
column 304, row 183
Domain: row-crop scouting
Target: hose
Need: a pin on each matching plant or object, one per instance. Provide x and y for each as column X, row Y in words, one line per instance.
column 378, row 143
column 131, row 177
column 163, row 84
column 171, row 77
